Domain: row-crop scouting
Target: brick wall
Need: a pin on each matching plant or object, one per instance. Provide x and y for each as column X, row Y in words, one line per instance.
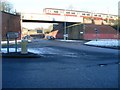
column 10, row 23
column 104, row 32
column 74, row 31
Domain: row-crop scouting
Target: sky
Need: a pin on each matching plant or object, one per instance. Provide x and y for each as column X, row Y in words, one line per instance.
column 100, row 6
column 37, row 6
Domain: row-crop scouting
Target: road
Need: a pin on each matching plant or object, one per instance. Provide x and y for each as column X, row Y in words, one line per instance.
column 62, row 65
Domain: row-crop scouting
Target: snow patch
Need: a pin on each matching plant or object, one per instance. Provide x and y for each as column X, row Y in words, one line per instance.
column 45, row 50
column 70, row 40
column 104, row 42
column 12, row 42
column 4, row 50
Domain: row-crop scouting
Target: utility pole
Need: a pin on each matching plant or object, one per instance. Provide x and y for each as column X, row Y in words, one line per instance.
column 0, row 50
column 65, row 28
column 118, row 22
column 65, row 25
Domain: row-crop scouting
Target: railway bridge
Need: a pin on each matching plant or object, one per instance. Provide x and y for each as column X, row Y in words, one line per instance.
column 38, row 17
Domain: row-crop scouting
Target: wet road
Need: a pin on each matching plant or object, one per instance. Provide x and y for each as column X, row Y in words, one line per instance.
column 62, row 65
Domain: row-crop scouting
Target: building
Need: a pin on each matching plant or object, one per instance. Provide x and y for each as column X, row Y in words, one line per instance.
column 91, row 31
column 93, row 24
column 87, row 32
column 10, row 23
column 88, row 17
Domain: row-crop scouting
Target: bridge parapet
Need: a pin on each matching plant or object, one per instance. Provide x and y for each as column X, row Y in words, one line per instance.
column 44, row 17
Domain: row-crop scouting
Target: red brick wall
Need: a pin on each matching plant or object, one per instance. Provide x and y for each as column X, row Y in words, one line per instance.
column 10, row 23
column 100, row 36
column 104, row 32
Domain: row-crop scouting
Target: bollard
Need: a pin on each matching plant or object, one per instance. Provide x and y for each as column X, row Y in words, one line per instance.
column 24, row 46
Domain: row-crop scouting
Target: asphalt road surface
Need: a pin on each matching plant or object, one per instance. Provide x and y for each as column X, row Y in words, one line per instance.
column 62, row 65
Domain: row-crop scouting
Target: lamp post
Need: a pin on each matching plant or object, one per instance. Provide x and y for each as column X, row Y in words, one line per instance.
column 64, row 30
column 118, row 22
column 65, row 25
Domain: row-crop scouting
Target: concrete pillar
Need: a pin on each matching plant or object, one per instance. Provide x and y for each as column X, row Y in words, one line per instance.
column 0, row 50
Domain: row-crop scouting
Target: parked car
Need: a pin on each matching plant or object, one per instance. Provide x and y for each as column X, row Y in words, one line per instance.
column 27, row 37
column 50, row 37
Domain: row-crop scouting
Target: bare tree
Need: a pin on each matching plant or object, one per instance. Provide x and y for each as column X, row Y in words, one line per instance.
column 6, row 6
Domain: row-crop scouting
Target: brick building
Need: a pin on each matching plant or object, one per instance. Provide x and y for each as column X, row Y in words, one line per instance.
column 87, row 32
column 10, row 23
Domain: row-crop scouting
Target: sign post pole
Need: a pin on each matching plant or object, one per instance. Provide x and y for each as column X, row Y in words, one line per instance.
column 7, row 45
column 12, row 35
column 15, row 44
column 96, row 31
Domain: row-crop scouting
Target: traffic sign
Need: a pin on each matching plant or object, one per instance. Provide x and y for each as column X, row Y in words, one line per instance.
column 12, row 35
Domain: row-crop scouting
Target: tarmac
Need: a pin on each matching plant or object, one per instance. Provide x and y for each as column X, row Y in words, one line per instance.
column 20, row 55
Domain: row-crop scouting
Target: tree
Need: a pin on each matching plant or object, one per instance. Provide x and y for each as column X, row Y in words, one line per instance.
column 6, row 6
column 117, row 24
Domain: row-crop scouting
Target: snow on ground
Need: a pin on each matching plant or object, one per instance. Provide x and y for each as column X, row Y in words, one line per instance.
column 4, row 50
column 104, row 42
column 100, row 42
column 12, row 42
column 70, row 40
column 45, row 50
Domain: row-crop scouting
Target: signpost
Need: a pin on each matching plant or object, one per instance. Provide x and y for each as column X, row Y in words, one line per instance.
column 12, row 35
column 66, row 36
column 96, row 31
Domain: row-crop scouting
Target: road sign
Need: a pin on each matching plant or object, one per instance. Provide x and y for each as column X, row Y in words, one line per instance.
column 65, row 35
column 96, row 30
column 12, row 35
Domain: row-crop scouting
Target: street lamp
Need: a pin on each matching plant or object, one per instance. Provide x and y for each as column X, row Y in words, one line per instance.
column 65, row 25
column 118, row 22
column 65, row 31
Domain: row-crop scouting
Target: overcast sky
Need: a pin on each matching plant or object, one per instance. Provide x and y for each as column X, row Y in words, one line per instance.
column 37, row 6
column 100, row 6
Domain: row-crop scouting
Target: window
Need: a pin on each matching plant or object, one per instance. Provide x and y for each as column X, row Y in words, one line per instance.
column 72, row 12
column 88, row 14
column 39, row 31
column 67, row 12
column 99, row 15
column 83, row 13
column 95, row 15
column 55, row 11
column 111, row 17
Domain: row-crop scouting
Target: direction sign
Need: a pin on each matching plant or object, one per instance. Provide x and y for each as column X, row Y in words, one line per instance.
column 12, row 35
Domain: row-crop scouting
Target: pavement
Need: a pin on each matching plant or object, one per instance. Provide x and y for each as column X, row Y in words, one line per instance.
column 62, row 65
column 43, row 47
column 20, row 55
